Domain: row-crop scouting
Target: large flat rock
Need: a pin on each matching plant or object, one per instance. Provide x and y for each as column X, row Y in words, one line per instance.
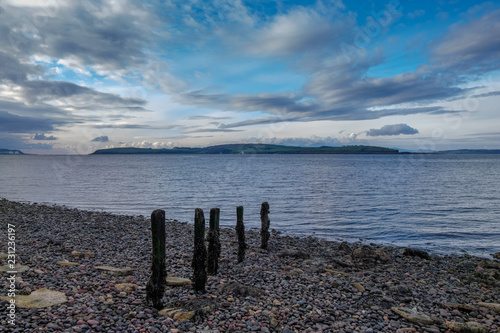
column 41, row 298
column 178, row 281
column 17, row 268
column 115, row 270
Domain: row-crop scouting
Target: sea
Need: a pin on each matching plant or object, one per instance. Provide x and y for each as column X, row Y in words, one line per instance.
column 442, row 203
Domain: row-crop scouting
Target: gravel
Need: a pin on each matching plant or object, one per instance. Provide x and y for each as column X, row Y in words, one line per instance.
column 297, row 285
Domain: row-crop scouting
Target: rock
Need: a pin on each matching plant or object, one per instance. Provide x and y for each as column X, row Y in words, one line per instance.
column 82, row 254
column 382, row 255
column 363, row 252
column 466, row 307
column 177, row 314
column 294, row 254
column 177, row 281
column 40, row 298
column 88, row 255
column 168, row 311
column 416, row 253
column 238, row 289
column 128, row 287
column 413, row 315
column 496, row 255
column 17, row 268
column 492, row 306
column 367, row 252
column 115, row 270
column 332, row 271
column 4, row 255
column 468, row 327
column 183, row 315
column 359, row 287
column 92, row 322
column 66, row 263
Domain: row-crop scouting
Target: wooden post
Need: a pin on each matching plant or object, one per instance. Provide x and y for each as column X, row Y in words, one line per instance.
column 264, row 225
column 200, row 252
column 156, row 284
column 213, row 242
column 240, row 232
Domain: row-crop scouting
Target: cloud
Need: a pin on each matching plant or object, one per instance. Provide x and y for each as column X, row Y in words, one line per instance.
column 398, row 129
column 36, row 91
column 12, row 70
column 42, row 136
column 471, row 47
column 107, row 35
column 103, row 138
column 17, row 142
column 488, row 94
column 301, row 30
column 206, row 118
column 11, row 123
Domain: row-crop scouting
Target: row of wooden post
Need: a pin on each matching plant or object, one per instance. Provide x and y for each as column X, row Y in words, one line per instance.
column 204, row 262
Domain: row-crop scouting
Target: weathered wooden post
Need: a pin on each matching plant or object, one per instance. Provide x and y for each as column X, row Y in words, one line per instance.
column 200, row 252
column 240, row 232
column 213, row 242
column 156, row 284
column 264, row 225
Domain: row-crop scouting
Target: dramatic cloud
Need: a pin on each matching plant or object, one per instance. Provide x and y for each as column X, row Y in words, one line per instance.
column 11, row 123
column 41, row 137
column 102, row 138
column 300, row 31
column 398, row 129
column 10, row 141
column 471, row 48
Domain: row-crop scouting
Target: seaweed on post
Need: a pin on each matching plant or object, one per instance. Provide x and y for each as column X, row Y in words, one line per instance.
column 240, row 233
column 200, row 252
column 156, row 284
column 265, row 223
column 214, row 246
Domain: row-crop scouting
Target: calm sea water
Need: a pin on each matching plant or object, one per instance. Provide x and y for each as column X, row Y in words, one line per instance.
column 442, row 203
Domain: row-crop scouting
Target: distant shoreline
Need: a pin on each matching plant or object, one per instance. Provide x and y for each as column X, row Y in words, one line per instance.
column 263, row 149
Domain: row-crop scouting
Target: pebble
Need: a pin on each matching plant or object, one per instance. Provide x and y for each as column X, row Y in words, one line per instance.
column 324, row 289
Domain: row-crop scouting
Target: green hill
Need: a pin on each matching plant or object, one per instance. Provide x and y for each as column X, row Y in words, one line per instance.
column 252, row 149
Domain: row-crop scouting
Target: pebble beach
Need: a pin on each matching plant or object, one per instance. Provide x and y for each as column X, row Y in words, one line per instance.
column 99, row 263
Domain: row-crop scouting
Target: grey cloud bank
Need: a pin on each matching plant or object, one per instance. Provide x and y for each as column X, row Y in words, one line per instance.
column 103, row 138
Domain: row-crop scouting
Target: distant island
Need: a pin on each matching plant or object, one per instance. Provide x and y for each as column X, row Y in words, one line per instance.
column 10, row 152
column 252, row 149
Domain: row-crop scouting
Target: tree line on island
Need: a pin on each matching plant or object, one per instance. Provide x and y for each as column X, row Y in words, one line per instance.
column 252, row 149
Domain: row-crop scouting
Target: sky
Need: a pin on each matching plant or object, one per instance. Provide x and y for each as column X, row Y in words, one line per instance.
column 76, row 76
